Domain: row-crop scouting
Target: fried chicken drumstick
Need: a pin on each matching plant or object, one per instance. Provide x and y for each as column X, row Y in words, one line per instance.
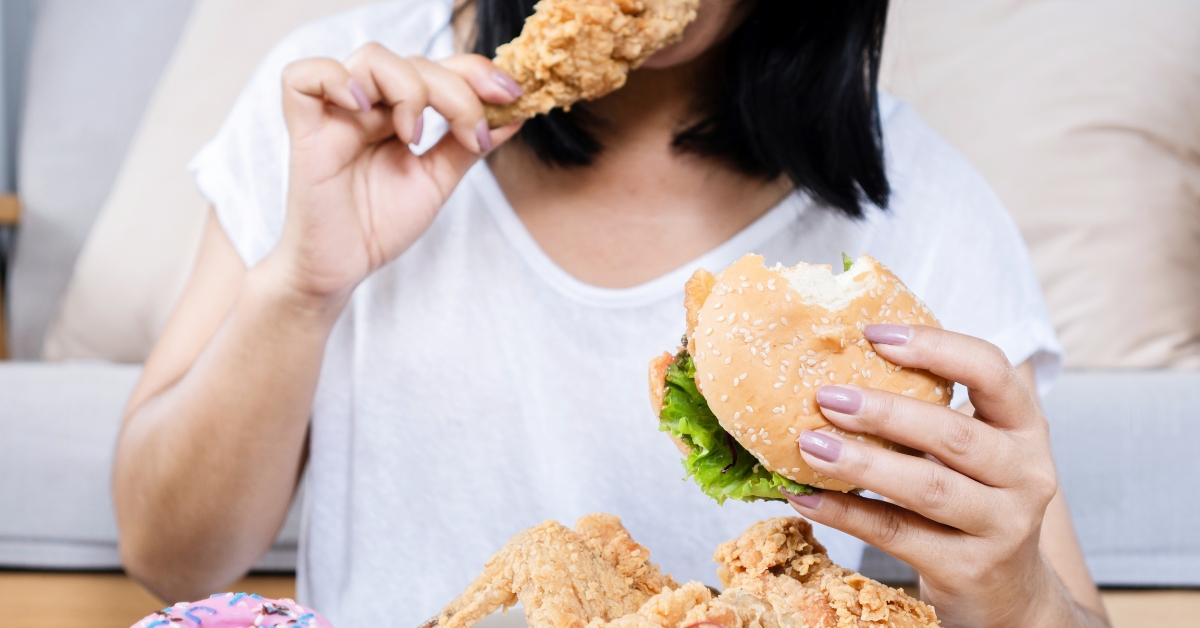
column 572, row 50
column 776, row 575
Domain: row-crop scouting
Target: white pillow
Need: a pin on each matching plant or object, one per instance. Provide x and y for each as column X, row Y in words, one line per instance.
column 1085, row 117
column 140, row 250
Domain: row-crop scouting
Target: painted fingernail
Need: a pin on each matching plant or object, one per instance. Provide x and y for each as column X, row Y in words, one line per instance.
column 889, row 334
column 808, row 502
column 507, row 83
column 823, row 445
column 484, row 135
column 418, row 129
column 840, row 399
column 359, row 94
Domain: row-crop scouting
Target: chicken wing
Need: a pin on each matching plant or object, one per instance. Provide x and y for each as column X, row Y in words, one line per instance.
column 571, row 50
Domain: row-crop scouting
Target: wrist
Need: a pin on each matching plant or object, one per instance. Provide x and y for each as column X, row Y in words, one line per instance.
column 275, row 284
column 1051, row 605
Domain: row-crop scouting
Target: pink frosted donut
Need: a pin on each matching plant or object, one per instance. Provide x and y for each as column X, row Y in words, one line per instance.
column 234, row 610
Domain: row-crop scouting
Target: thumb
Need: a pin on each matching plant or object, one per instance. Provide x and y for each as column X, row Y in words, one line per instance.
column 449, row 160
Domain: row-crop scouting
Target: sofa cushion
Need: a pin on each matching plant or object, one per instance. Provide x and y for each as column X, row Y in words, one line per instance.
column 60, row 424
column 1082, row 115
column 92, row 68
column 139, row 253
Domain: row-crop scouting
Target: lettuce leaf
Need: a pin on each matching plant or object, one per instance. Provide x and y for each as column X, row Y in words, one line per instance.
column 718, row 463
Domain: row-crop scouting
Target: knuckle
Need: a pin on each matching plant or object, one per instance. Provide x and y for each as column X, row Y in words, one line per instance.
column 937, row 494
column 960, row 438
column 888, row 527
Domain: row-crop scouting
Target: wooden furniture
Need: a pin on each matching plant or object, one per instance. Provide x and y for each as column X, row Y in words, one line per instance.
column 10, row 215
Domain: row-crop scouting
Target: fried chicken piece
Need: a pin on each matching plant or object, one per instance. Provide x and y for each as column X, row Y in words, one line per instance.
column 564, row 579
column 774, row 558
column 776, row 576
column 605, row 536
column 571, row 50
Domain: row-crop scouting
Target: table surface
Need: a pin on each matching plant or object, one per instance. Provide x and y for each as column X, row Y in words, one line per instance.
column 110, row 600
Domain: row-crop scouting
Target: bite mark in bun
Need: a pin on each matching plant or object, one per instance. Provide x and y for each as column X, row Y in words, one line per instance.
column 760, row 342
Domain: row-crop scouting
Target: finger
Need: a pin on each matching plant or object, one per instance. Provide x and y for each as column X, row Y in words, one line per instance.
column 451, row 96
column 962, row 443
column 389, row 79
column 448, row 160
column 490, row 83
column 901, row 533
column 310, row 84
column 931, row 490
column 996, row 389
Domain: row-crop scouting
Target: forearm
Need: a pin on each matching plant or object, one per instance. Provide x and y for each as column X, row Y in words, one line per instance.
column 206, row 468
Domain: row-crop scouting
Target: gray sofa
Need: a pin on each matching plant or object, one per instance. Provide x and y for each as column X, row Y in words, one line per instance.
column 1124, row 442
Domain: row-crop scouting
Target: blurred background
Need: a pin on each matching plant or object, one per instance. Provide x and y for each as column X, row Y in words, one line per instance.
column 1083, row 114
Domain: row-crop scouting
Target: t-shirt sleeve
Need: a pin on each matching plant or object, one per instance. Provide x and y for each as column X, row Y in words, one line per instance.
column 957, row 247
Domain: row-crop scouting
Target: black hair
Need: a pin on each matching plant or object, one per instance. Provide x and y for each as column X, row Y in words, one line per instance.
column 796, row 96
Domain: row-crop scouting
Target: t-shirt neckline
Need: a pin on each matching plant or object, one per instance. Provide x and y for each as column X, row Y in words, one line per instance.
column 657, row 289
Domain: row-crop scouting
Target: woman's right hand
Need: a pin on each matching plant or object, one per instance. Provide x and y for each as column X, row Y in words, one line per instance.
column 358, row 196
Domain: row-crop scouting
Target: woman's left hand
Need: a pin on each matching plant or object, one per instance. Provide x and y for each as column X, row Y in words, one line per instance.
column 967, row 517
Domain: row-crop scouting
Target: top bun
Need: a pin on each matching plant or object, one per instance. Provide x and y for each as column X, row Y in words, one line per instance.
column 765, row 339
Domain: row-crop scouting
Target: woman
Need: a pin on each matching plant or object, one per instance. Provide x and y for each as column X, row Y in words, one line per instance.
column 451, row 348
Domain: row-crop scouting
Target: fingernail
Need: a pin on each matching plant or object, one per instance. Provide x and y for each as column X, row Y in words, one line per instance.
column 808, row 502
column 360, row 95
column 484, row 135
column 418, row 129
column 840, row 399
column 507, row 83
column 823, row 445
column 889, row 334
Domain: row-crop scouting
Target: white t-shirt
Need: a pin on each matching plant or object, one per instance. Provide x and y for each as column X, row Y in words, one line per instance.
column 473, row 388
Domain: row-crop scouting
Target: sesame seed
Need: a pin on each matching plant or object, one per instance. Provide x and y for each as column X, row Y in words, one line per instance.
column 735, row 381
column 760, row 287
column 772, row 325
column 861, row 439
column 727, row 360
column 749, row 409
column 745, row 316
column 758, row 322
column 890, row 299
column 753, row 351
column 937, row 390
column 786, row 363
column 717, row 306
column 804, row 410
column 831, row 376
column 788, row 297
column 736, row 416
column 754, row 438
column 806, row 384
column 864, row 312
column 811, row 352
column 766, row 441
column 783, row 378
column 708, row 332
column 854, row 366
column 720, row 318
column 824, row 320
column 724, row 397
column 825, row 364
column 770, row 286
column 796, row 388
column 784, row 321
column 814, row 329
column 710, row 377
column 742, row 277
column 792, row 430
column 716, row 351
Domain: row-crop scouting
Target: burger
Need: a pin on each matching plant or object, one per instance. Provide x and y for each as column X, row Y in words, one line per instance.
column 759, row 344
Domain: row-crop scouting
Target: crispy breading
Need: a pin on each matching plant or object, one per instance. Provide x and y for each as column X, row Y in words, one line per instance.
column 572, row 50
column 776, row 576
column 604, row 535
column 772, row 557
column 564, row 579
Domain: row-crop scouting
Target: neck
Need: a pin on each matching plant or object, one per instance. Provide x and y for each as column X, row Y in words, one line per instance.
column 642, row 208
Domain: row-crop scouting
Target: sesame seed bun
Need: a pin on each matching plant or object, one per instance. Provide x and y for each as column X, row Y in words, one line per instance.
column 765, row 339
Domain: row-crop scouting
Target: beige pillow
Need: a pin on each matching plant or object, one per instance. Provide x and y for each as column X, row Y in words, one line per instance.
column 1085, row 117
column 140, row 251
